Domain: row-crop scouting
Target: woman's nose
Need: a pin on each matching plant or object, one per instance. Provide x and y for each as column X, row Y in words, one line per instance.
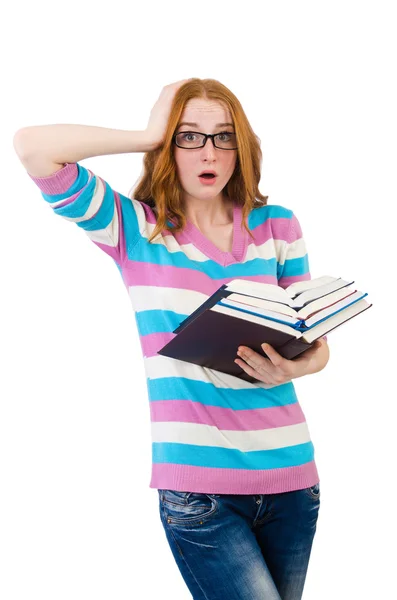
column 208, row 148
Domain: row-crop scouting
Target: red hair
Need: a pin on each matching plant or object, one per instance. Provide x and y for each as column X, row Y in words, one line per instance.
column 159, row 186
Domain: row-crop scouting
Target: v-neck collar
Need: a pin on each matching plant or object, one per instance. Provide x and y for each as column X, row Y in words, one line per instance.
column 239, row 246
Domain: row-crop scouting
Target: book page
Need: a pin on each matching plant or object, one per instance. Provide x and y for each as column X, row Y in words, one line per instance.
column 254, row 319
column 304, row 297
column 334, row 308
column 251, row 301
column 333, row 322
column 260, row 290
column 312, row 307
column 300, row 286
column 271, row 314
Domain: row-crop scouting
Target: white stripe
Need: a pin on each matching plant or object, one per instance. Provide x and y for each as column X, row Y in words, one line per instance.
column 172, row 245
column 245, row 441
column 295, row 250
column 168, row 241
column 108, row 236
column 95, row 204
column 143, row 225
column 279, row 246
column 158, row 366
column 164, row 298
column 268, row 250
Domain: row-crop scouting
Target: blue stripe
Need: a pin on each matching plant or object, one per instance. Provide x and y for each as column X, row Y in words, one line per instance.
column 279, row 271
column 81, row 181
column 104, row 215
column 156, row 321
column 81, row 204
column 295, row 266
column 271, row 211
column 182, row 388
column 160, row 255
column 226, row 458
column 131, row 226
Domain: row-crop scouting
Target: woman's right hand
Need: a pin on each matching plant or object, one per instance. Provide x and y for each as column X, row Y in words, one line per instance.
column 160, row 113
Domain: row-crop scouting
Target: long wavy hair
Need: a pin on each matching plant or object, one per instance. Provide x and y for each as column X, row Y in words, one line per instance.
column 159, row 186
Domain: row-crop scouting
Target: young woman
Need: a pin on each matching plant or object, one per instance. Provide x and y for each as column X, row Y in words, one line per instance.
column 233, row 461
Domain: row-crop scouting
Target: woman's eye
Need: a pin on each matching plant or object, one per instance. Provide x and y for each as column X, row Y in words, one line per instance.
column 222, row 136
column 187, row 135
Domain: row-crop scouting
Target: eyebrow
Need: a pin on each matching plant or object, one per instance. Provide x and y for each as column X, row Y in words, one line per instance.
column 195, row 124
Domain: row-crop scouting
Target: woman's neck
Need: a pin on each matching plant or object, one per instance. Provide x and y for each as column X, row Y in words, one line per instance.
column 206, row 215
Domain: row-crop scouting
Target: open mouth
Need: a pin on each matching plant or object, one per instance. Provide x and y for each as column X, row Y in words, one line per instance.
column 207, row 179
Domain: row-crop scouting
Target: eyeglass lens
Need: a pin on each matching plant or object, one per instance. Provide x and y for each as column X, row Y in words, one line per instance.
column 190, row 139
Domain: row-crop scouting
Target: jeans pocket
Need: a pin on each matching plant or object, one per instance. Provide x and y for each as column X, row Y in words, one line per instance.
column 187, row 508
column 313, row 491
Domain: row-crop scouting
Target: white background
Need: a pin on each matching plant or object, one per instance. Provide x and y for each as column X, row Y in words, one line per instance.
column 316, row 80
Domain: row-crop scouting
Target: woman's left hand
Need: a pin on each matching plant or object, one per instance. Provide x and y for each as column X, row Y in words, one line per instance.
column 276, row 369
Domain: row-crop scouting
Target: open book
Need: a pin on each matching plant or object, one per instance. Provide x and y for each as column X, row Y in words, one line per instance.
column 249, row 313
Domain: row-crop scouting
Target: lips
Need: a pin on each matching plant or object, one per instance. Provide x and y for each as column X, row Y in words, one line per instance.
column 207, row 173
column 207, row 180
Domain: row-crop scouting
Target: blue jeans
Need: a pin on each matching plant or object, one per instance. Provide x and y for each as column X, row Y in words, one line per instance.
column 241, row 547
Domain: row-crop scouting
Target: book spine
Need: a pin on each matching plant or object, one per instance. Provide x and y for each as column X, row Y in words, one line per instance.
column 218, row 295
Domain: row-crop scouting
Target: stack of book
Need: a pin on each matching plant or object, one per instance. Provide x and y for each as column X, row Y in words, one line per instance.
column 249, row 313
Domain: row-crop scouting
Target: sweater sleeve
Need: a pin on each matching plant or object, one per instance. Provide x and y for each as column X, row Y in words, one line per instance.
column 112, row 221
column 294, row 262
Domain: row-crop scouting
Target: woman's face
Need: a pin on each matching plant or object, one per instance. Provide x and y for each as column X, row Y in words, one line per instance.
column 204, row 116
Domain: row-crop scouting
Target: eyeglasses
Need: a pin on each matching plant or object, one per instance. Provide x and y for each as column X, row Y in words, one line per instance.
column 194, row 139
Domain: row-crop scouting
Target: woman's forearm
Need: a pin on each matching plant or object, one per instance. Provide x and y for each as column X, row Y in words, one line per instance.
column 315, row 360
column 65, row 143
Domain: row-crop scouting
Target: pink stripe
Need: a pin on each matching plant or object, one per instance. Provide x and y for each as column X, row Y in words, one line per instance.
column 109, row 250
column 153, row 342
column 142, row 273
column 296, row 230
column 276, row 228
column 207, row 480
column 59, row 182
column 122, row 252
column 186, row 411
column 150, row 217
column 71, row 199
column 273, row 227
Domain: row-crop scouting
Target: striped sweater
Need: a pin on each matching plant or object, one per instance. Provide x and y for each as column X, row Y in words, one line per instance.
column 211, row 432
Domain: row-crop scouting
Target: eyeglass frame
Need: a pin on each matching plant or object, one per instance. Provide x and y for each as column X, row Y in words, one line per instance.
column 206, row 136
